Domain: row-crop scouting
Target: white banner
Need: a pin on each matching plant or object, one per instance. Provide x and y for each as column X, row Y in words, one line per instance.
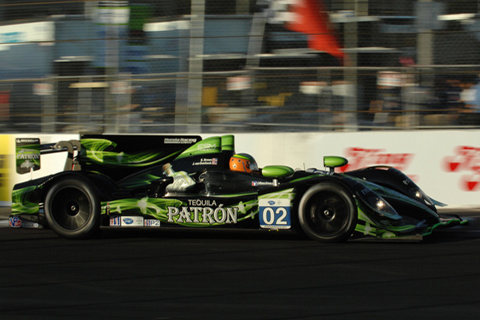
column 23, row 33
column 445, row 164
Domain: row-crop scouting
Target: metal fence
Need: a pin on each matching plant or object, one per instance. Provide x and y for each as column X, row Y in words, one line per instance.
column 256, row 100
column 178, row 53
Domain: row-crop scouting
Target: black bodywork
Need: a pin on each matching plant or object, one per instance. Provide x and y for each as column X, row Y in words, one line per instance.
column 120, row 181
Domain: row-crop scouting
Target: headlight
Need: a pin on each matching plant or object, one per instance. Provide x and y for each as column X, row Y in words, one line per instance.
column 422, row 197
column 377, row 205
column 381, row 207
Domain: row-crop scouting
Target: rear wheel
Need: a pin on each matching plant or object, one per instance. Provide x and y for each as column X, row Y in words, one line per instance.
column 327, row 213
column 72, row 208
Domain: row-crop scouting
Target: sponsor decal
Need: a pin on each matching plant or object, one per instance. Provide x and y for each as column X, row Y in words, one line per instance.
column 31, row 225
column 27, row 154
column 465, row 159
column 206, row 162
column 261, row 183
column 362, row 157
column 28, row 140
column 133, row 221
column 180, row 140
column 207, row 146
column 115, row 222
column 15, row 222
column 203, row 212
column 151, row 223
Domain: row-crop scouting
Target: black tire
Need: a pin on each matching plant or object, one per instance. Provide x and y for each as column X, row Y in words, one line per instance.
column 72, row 208
column 327, row 213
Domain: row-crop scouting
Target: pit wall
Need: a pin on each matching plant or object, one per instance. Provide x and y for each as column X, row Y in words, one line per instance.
column 445, row 164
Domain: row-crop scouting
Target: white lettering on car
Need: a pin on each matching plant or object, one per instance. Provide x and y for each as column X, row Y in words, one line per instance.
column 203, row 214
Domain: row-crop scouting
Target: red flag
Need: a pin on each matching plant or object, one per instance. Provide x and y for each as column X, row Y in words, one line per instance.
column 312, row 19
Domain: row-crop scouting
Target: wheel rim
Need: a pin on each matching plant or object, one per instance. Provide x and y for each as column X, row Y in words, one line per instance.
column 328, row 214
column 71, row 208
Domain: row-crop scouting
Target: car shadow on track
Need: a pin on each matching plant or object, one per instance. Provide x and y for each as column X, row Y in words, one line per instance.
column 181, row 233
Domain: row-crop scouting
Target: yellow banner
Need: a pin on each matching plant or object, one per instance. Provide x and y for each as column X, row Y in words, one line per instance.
column 5, row 155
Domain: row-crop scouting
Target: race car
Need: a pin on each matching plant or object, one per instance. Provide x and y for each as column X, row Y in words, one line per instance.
column 187, row 181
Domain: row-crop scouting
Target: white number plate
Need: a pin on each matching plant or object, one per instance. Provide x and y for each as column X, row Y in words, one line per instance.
column 275, row 213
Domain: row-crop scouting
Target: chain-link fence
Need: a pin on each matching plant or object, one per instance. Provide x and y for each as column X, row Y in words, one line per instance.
column 235, row 66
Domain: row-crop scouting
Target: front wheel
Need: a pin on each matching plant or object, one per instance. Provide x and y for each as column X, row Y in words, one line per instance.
column 72, row 208
column 327, row 213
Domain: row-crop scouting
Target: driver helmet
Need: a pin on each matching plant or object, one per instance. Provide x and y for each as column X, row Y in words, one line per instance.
column 243, row 162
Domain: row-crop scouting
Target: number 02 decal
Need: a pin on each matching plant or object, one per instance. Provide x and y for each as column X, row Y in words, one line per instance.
column 274, row 213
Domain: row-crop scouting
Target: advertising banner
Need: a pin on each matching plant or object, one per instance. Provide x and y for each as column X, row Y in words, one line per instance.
column 445, row 164
column 5, row 178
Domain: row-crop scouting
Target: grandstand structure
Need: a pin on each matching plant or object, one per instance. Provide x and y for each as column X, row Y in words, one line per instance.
column 216, row 66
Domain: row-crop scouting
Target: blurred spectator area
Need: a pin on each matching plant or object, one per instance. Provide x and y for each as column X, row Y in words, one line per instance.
column 234, row 66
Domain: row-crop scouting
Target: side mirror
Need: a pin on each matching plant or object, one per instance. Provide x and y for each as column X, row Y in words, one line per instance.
column 332, row 162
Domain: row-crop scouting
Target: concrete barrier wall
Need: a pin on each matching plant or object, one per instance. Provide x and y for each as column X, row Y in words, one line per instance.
column 445, row 164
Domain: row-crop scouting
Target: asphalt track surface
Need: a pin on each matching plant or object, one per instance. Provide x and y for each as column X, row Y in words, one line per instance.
column 173, row 274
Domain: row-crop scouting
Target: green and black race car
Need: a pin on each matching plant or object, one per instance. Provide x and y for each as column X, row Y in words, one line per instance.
column 187, row 181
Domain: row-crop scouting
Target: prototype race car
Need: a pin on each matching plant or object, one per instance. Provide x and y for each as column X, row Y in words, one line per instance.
column 161, row 181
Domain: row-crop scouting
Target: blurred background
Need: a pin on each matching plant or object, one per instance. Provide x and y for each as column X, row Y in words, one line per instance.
column 226, row 66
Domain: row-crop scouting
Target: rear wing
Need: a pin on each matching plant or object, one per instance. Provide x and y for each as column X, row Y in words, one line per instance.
column 30, row 153
column 113, row 155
